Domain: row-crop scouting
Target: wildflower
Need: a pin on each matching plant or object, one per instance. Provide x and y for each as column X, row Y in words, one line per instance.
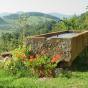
column 31, row 60
column 23, row 56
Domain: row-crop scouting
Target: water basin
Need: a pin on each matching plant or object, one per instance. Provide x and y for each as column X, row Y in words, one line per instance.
column 64, row 35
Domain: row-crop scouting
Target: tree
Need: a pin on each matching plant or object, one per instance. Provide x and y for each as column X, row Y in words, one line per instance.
column 23, row 26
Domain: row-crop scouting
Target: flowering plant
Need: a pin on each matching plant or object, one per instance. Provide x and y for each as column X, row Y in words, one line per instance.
column 43, row 65
column 56, row 58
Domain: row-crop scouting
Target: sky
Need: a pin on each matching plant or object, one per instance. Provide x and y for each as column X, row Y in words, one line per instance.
column 67, row 7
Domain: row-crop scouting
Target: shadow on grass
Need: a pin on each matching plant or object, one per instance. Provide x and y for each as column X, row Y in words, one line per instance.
column 81, row 62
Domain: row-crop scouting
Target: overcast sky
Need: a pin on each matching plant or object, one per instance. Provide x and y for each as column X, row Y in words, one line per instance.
column 61, row 6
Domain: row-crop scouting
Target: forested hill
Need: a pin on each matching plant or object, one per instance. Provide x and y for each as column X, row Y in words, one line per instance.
column 39, row 22
column 59, row 15
column 16, row 15
column 3, row 24
column 2, row 21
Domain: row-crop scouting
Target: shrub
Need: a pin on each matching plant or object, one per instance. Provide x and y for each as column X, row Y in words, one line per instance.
column 26, row 63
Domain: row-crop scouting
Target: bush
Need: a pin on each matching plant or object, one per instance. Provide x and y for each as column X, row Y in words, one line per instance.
column 42, row 66
column 25, row 63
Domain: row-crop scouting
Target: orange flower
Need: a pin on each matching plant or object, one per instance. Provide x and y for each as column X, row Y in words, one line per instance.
column 23, row 56
column 31, row 60
column 56, row 58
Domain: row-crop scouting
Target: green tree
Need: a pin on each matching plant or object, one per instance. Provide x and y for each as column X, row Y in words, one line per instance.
column 23, row 24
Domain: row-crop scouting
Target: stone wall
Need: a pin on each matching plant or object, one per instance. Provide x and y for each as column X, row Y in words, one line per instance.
column 68, row 48
column 54, row 46
column 78, row 44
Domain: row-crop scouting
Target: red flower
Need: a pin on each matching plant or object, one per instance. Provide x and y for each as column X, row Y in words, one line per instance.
column 56, row 58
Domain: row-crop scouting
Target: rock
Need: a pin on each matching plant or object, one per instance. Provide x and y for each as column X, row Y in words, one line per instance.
column 5, row 56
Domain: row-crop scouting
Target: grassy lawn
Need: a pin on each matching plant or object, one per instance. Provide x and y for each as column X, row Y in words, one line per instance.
column 76, row 80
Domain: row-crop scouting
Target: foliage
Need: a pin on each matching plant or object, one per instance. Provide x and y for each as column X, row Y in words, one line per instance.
column 73, row 23
column 9, row 41
column 43, row 66
column 24, row 60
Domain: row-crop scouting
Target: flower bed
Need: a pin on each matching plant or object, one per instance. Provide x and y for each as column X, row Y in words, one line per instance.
column 34, row 64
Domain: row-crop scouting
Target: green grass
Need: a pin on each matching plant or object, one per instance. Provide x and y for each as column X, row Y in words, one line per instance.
column 76, row 80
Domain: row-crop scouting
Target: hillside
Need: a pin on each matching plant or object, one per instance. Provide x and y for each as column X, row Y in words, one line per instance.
column 2, row 21
column 16, row 15
column 39, row 22
column 59, row 15
column 4, row 14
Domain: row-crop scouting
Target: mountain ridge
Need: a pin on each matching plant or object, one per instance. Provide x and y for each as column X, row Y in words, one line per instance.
column 59, row 15
column 16, row 15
